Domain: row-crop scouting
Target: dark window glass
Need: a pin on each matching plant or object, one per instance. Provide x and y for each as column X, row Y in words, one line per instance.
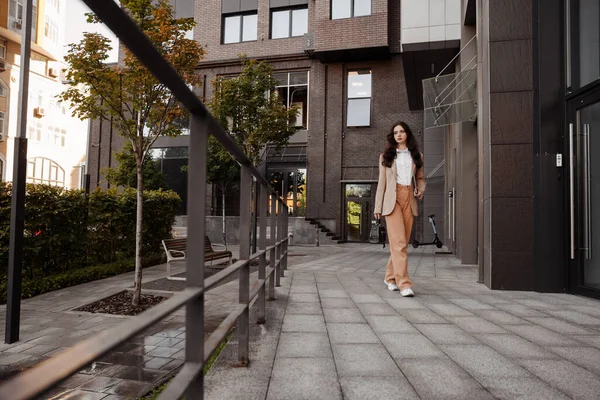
column 292, row 90
column 584, row 48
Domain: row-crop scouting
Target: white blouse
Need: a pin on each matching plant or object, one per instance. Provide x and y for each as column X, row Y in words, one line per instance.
column 404, row 167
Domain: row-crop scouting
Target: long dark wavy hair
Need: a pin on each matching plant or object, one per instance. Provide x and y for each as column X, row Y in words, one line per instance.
column 389, row 155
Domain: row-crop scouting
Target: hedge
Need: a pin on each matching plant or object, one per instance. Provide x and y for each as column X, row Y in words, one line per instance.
column 65, row 229
column 78, row 276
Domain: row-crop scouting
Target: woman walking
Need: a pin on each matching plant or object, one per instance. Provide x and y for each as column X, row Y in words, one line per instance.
column 401, row 184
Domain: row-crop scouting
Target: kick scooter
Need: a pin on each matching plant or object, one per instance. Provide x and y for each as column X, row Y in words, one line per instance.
column 438, row 243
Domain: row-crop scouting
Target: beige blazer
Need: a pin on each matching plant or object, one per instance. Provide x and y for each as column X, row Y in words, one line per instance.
column 385, row 198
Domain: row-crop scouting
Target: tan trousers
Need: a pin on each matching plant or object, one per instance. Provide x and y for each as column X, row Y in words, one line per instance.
column 399, row 225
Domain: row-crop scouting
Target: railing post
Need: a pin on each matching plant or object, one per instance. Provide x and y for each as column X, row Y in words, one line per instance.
column 284, row 223
column 273, row 240
column 263, row 199
column 280, row 237
column 194, row 330
column 244, row 320
column 286, row 219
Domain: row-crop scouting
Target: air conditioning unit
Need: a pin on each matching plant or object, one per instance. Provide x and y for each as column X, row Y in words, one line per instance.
column 39, row 112
column 2, row 66
column 18, row 24
column 52, row 72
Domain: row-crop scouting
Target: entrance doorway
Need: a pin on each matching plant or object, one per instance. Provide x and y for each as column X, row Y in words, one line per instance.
column 583, row 141
column 358, row 211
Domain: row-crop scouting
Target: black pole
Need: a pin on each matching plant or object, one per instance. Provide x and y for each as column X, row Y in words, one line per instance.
column 254, row 216
column 17, row 209
column 295, row 196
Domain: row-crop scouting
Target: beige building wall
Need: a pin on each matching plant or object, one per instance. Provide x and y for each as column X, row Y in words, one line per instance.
column 57, row 141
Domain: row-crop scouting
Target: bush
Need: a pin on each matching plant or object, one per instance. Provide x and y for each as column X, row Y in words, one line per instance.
column 78, row 276
column 65, row 229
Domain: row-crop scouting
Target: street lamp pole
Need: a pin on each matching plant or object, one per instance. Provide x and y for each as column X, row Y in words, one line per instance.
column 17, row 210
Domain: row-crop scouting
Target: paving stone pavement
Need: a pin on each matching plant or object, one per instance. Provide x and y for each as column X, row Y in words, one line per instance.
column 48, row 326
column 336, row 332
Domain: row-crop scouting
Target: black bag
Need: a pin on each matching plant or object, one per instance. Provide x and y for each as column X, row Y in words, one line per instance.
column 378, row 233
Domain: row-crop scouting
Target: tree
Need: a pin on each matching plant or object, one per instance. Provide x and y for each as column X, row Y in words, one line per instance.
column 253, row 114
column 139, row 107
column 126, row 173
column 222, row 170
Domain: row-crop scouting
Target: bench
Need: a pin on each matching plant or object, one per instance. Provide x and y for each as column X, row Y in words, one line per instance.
column 176, row 251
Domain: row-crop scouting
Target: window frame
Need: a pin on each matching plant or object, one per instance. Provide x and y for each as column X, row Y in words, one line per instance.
column 290, row 20
column 2, row 167
column 352, row 8
column 241, row 30
column 3, row 88
column 288, row 85
column 349, row 99
column 3, row 123
column 53, row 168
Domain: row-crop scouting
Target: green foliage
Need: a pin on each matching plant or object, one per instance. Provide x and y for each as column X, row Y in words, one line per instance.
column 74, row 277
column 136, row 103
column 128, row 95
column 65, row 230
column 222, row 169
column 125, row 174
column 252, row 111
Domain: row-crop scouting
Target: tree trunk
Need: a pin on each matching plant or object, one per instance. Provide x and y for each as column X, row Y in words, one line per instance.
column 137, row 292
column 224, row 221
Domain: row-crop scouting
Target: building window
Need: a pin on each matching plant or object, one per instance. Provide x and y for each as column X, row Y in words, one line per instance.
column 289, row 22
column 583, row 51
column 44, row 170
column 59, row 136
column 55, row 4
column 1, row 167
column 3, row 89
column 359, row 98
column 51, row 30
column 15, row 12
column 350, row 8
column 2, row 123
column 38, row 63
column 2, row 50
column 239, row 28
column 292, row 89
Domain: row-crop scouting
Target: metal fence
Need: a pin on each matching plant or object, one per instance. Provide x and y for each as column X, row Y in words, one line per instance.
column 189, row 381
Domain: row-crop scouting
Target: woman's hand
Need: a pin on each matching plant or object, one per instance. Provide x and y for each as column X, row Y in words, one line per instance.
column 377, row 215
column 418, row 194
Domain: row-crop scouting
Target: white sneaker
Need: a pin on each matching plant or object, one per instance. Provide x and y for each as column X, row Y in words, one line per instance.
column 408, row 292
column 391, row 286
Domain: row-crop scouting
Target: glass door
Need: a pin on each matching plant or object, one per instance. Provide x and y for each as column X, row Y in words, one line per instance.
column 358, row 212
column 584, row 194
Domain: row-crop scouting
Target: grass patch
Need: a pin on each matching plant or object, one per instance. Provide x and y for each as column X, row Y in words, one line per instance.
column 159, row 389
column 40, row 285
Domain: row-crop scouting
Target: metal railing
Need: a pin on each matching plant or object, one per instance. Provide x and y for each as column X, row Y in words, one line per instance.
column 189, row 381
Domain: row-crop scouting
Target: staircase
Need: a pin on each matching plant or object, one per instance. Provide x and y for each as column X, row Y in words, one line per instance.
column 335, row 239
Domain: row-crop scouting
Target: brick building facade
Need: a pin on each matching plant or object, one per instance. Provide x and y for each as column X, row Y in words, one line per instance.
column 329, row 46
